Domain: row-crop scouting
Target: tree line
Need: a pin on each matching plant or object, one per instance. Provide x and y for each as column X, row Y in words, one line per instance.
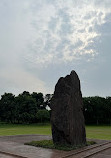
column 97, row 110
column 24, row 108
column 32, row 108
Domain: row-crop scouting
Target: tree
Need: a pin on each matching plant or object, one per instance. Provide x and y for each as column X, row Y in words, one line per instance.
column 25, row 93
column 88, row 110
column 7, row 107
column 39, row 100
column 108, row 109
column 27, row 108
column 47, row 99
column 96, row 110
column 43, row 115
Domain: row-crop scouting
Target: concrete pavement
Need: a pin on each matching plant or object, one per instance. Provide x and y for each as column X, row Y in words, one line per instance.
column 15, row 145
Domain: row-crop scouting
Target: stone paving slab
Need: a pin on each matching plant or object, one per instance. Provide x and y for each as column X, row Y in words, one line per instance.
column 6, row 156
column 103, row 154
column 107, row 152
column 15, row 145
column 24, row 138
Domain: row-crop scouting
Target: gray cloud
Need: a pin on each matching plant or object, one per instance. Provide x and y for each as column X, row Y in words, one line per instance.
column 67, row 22
column 41, row 40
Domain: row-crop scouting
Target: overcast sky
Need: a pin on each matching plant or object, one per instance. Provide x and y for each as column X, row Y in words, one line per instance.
column 42, row 40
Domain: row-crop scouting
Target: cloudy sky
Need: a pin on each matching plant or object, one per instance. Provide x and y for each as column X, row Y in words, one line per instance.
column 42, row 40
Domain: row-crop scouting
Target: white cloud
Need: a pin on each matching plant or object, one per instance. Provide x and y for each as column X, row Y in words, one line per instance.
column 15, row 32
column 72, row 21
column 17, row 80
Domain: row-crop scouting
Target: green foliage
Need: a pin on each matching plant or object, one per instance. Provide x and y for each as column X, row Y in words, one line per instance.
column 7, row 107
column 31, row 108
column 43, row 143
column 23, row 108
column 39, row 100
column 51, row 145
column 27, row 108
column 43, row 115
column 90, row 143
column 97, row 110
column 47, row 99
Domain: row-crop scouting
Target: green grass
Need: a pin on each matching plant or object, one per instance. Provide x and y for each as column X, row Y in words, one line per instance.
column 49, row 144
column 19, row 129
column 96, row 132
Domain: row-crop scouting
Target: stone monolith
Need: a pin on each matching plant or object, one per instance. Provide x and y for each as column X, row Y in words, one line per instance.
column 67, row 118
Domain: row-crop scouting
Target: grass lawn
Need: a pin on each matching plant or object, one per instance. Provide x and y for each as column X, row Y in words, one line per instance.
column 97, row 132
column 14, row 129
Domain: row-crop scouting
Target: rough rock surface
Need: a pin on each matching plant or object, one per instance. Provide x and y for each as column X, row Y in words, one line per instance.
column 66, row 112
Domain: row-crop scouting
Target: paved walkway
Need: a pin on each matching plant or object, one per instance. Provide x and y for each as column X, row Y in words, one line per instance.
column 14, row 145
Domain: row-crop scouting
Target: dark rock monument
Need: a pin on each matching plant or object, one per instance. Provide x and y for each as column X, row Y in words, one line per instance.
column 66, row 112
